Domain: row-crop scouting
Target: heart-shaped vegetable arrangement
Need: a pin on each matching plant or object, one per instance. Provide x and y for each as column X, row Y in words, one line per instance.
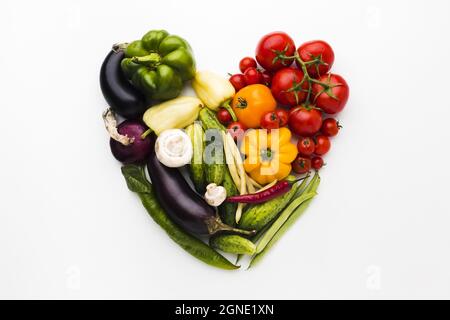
column 248, row 142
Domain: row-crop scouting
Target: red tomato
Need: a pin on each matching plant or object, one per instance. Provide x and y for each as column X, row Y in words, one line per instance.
column 247, row 62
column 271, row 46
column 306, row 146
column 238, row 81
column 333, row 97
column 270, row 121
column 252, row 76
column 283, row 115
column 305, row 121
column 237, row 130
column 301, row 164
column 322, row 145
column 319, row 50
column 286, row 87
column 266, row 78
column 330, row 127
column 224, row 116
column 317, row 163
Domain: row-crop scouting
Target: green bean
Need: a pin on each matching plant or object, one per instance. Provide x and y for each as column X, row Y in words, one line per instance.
column 286, row 219
column 137, row 182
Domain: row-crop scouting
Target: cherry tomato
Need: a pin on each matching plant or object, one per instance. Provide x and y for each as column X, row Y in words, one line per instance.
column 270, row 47
column 247, row 62
column 224, row 116
column 237, row 130
column 322, row 145
column 270, row 120
column 283, row 115
column 266, row 78
column 319, row 50
column 333, row 97
column 330, row 127
column 301, row 164
column 238, row 81
column 306, row 146
column 286, row 87
column 305, row 121
column 317, row 163
column 252, row 76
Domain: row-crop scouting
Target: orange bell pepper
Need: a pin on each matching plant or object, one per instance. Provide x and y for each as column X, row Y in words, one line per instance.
column 251, row 103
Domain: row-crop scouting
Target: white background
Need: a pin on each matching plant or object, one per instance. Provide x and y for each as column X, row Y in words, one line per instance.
column 69, row 228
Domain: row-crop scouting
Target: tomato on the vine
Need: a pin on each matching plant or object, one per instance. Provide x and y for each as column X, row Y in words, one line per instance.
column 323, row 145
column 318, row 51
column 317, row 163
column 247, row 62
column 270, row 121
column 305, row 121
column 332, row 95
column 330, row 127
column 224, row 116
column 283, row 115
column 271, row 47
column 238, row 81
column 236, row 130
column 288, row 87
column 301, row 164
column 306, row 146
column 252, row 76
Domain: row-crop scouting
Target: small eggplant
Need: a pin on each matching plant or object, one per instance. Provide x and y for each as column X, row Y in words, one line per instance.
column 122, row 97
column 128, row 141
column 186, row 207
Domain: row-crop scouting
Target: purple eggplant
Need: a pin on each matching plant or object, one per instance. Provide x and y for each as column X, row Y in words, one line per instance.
column 129, row 141
column 120, row 94
column 181, row 203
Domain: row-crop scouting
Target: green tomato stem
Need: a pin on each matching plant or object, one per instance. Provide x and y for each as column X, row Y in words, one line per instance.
column 227, row 106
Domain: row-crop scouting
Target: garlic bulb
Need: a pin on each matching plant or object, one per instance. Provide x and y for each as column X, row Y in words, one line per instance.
column 174, row 148
column 215, row 195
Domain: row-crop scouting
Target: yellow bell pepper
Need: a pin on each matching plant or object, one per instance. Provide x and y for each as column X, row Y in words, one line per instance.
column 268, row 154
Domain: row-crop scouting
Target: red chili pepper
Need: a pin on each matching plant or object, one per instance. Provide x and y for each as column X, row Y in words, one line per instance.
column 277, row 190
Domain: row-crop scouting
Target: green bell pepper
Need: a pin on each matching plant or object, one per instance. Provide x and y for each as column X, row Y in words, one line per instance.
column 158, row 64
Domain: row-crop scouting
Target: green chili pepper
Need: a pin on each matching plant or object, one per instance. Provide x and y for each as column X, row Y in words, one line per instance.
column 158, row 64
column 137, row 182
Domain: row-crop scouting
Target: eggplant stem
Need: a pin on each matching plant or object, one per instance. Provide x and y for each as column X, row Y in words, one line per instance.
column 119, row 46
column 109, row 118
column 215, row 225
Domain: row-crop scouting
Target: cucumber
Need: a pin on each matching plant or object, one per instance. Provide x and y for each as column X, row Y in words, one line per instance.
column 258, row 216
column 215, row 170
column 215, row 165
column 227, row 210
column 233, row 244
column 209, row 120
column 197, row 173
